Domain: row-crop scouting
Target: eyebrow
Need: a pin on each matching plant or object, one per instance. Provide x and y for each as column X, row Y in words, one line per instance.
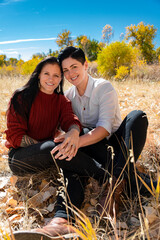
column 70, row 66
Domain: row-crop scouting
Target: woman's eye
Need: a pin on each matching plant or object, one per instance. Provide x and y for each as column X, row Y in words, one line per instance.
column 74, row 67
column 45, row 73
column 65, row 71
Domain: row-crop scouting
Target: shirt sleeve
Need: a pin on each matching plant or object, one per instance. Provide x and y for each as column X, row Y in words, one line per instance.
column 67, row 117
column 108, row 102
column 16, row 128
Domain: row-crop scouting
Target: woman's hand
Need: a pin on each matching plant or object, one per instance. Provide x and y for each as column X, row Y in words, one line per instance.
column 69, row 146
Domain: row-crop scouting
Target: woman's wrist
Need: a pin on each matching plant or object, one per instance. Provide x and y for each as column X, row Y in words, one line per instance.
column 74, row 127
column 27, row 141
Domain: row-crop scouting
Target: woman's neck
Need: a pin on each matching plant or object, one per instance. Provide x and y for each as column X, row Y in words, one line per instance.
column 81, row 88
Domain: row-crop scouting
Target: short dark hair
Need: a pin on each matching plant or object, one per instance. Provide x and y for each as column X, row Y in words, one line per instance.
column 73, row 52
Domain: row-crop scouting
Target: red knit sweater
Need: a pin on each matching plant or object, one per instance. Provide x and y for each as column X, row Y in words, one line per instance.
column 47, row 113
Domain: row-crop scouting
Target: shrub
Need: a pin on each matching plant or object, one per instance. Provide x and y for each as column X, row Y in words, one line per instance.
column 28, row 67
column 113, row 56
column 8, row 70
column 122, row 72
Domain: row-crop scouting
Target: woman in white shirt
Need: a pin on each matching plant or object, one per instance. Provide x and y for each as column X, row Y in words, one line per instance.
column 95, row 102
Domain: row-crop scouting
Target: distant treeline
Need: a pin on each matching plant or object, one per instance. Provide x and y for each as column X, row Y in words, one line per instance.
column 114, row 59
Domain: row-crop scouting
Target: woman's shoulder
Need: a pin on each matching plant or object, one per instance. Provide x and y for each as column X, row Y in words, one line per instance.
column 101, row 84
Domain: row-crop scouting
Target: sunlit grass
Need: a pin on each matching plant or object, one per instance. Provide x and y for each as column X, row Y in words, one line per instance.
column 132, row 95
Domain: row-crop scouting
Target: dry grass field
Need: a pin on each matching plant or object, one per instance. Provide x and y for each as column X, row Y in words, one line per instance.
column 140, row 218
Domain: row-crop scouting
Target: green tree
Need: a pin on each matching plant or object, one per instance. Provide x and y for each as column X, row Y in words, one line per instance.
column 82, row 42
column 90, row 47
column 54, row 53
column 157, row 53
column 2, row 60
column 39, row 55
column 142, row 36
column 93, row 50
column 113, row 56
column 64, row 39
column 12, row 61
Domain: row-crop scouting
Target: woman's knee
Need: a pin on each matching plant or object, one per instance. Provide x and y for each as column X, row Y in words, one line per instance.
column 47, row 146
column 138, row 115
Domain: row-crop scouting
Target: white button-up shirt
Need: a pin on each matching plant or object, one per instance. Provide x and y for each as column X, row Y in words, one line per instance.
column 98, row 106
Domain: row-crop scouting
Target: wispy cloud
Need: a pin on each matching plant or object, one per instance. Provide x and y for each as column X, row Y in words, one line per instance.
column 13, row 52
column 15, row 49
column 8, row 51
column 6, row 2
column 27, row 40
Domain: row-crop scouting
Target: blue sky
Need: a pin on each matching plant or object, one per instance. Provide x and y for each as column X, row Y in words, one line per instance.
column 30, row 26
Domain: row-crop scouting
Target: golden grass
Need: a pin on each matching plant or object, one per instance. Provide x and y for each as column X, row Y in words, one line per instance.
column 132, row 95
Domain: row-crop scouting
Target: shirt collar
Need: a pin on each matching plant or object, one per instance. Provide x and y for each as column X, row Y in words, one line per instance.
column 88, row 90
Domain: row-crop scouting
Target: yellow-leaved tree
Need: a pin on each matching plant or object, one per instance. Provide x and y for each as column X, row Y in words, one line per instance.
column 113, row 56
column 64, row 39
column 142, row 36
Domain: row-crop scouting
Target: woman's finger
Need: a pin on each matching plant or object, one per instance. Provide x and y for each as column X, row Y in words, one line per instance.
column 59, row 139
column 72, row 153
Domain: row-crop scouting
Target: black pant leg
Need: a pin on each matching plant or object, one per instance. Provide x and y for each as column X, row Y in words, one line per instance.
column 133, row 129
column 99, row 151
column 84, row 166
column 74, row 197
column 31, row 159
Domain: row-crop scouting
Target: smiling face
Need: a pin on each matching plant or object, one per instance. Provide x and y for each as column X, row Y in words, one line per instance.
column 75, row 72
column 50, row 78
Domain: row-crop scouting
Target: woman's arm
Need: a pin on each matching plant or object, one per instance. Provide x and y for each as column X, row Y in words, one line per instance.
column 27, row 141
column 93, row 136
column 16, row 128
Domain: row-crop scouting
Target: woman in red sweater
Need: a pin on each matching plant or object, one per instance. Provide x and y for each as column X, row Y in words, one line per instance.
column 35, row 112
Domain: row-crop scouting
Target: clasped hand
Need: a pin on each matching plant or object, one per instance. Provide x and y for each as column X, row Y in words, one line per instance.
column 68, row 147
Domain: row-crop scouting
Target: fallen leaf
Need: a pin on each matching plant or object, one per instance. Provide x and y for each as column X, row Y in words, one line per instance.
column 11, row 210
column 3, row 113
column 13, row 180
column 3, row 196
column 43, row 184
column 134, row 221
column 32, row 192
column 121, row 225
column 3, row 182
column 46, row 195
column 93, row 202
column 50, row 208
column 14, row 217
column 12, row 202
column 151, row 214
column 35, row 200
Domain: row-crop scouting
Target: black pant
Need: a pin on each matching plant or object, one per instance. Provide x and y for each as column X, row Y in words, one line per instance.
column 37, row 157
column 90, row 161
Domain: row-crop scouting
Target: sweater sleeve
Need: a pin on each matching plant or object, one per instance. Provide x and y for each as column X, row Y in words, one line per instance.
column 16, row 128
column 67, row 117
